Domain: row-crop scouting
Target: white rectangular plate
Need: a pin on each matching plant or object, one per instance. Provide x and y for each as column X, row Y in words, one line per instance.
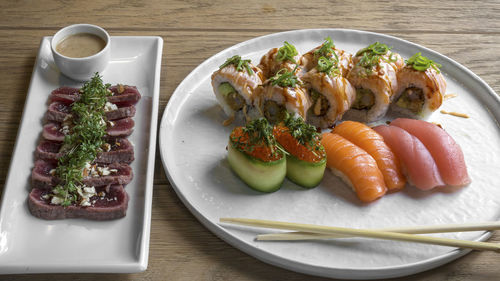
column 32, row 245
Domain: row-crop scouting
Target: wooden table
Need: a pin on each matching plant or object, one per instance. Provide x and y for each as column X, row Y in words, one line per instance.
column 181, row 248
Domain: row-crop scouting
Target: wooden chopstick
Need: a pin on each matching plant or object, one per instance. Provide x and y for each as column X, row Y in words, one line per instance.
column 365, row 233
column 300, row 235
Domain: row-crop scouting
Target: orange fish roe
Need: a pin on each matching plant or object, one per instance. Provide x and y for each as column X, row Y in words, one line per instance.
column 309, row 153
column 241, row 141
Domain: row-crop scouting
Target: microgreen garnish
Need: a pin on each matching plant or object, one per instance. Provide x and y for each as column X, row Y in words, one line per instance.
column 421, row 63
column 260, row 131
column 238, row 64
column 285, row 78
column 305, row 134
column 373, row 54
column 287, row 52
column 85, row 139
column 328, row 65
column 326, row 48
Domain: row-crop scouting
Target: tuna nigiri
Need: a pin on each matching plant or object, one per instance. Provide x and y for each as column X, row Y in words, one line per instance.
column 370, row 141
column 417, row 161
column 445, row 151
column 354, row 166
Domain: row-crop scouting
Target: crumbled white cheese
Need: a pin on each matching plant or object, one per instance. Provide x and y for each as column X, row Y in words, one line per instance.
column 45, row 197
column 111, row 124
column 102, row 122
column 103, row 171
column 52, row 172
column 56, row 200
column 110, row 107
column 64, row 130
column 106, row 147
column 85, row 192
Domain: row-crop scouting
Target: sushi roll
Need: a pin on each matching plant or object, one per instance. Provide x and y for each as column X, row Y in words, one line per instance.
column 328, row 51
column 330, row 94
column 236, row 84
column 421, row 87
column 285, row 57
column 283, row 94
column 374, row 76
column 254, row 155
column 306, row 158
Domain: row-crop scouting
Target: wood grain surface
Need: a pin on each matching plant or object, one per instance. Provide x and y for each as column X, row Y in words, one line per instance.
column 193, row 30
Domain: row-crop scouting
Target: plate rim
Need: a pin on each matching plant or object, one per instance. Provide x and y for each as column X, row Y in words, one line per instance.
column 222, row 233
column 141, row 262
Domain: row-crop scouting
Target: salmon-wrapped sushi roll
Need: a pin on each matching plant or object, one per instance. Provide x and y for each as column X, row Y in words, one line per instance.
column 421, row 87
column 283, row 93
column 236, row 84
column 286, row 57
column 328, row 51
column 374, row 76
column 330, row 95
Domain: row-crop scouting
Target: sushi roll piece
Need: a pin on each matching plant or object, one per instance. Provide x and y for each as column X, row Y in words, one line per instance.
column 286, row 57
column 443, row 148
column 330, row 94
column 354, row 166
column 374, row 76
column 254, row 155
column 421, row 88
column 373, row 143
column 283, row 94
column 327, row 50
column 236, row 84
column 306, row 158
column 417, row 162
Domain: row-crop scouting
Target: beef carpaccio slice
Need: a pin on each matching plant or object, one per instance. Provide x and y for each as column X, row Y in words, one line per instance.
column 113, row 205
column 59, row 111
column 120, row 128
column 42, row 178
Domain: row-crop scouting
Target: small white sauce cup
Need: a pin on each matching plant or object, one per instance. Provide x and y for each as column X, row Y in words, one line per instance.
column 81, row 69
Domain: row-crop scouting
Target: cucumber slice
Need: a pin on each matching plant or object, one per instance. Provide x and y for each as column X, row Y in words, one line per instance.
column 303, row 173
column 259, row 175
column 225, row 89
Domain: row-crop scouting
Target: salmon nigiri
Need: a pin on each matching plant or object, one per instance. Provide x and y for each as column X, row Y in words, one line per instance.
column 373, row 143
column 355, row 166
column 446, row 152
column 417, row 161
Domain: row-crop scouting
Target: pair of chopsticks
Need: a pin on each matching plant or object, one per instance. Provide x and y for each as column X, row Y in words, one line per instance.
column 311, row 231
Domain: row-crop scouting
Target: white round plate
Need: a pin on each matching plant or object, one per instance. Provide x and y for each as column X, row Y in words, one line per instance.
column 193, row 150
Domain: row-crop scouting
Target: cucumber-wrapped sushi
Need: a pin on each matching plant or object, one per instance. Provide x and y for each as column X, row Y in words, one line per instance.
column 327, row 50
column 236, row 84
column 286, row 57
column 330, row 94
column 374, row 76
column 421, row 87
column 306, row 157
column 255, row 157
column 283, row 94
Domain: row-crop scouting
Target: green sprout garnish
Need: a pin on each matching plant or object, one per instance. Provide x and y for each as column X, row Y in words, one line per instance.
column 285, row 78
column 287, row 52
column 326, row 48
column 238, row 64
column 304, row 133
column 421, row 63
column 328, row 65
column 85, row 139
column 373, row 54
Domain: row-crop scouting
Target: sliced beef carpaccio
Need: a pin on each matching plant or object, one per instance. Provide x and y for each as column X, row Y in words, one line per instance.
column 122, row 95
column 59, row 111
column 112, row 205
column 120, row 128
column 42, row 176
column 120, row 150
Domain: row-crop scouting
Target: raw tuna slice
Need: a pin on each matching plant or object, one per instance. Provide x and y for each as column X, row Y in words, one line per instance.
column 417, row 162
column 42, row 175
column 445, row 151
column 120, row 150
column 58, row 111
column 117, row 129
column 112, row 205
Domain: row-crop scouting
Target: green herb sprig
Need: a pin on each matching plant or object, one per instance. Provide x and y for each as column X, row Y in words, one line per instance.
column 287, row 52
column 373, row 54
column 238, row 63
column 304, row 133
column 260, row 131
column 329, row 65
column 85, row 139
column 285, row 78
column 327, row 48
column 421, row 63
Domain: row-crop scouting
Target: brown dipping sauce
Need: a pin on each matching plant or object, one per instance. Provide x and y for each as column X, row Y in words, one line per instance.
column 80, row 45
